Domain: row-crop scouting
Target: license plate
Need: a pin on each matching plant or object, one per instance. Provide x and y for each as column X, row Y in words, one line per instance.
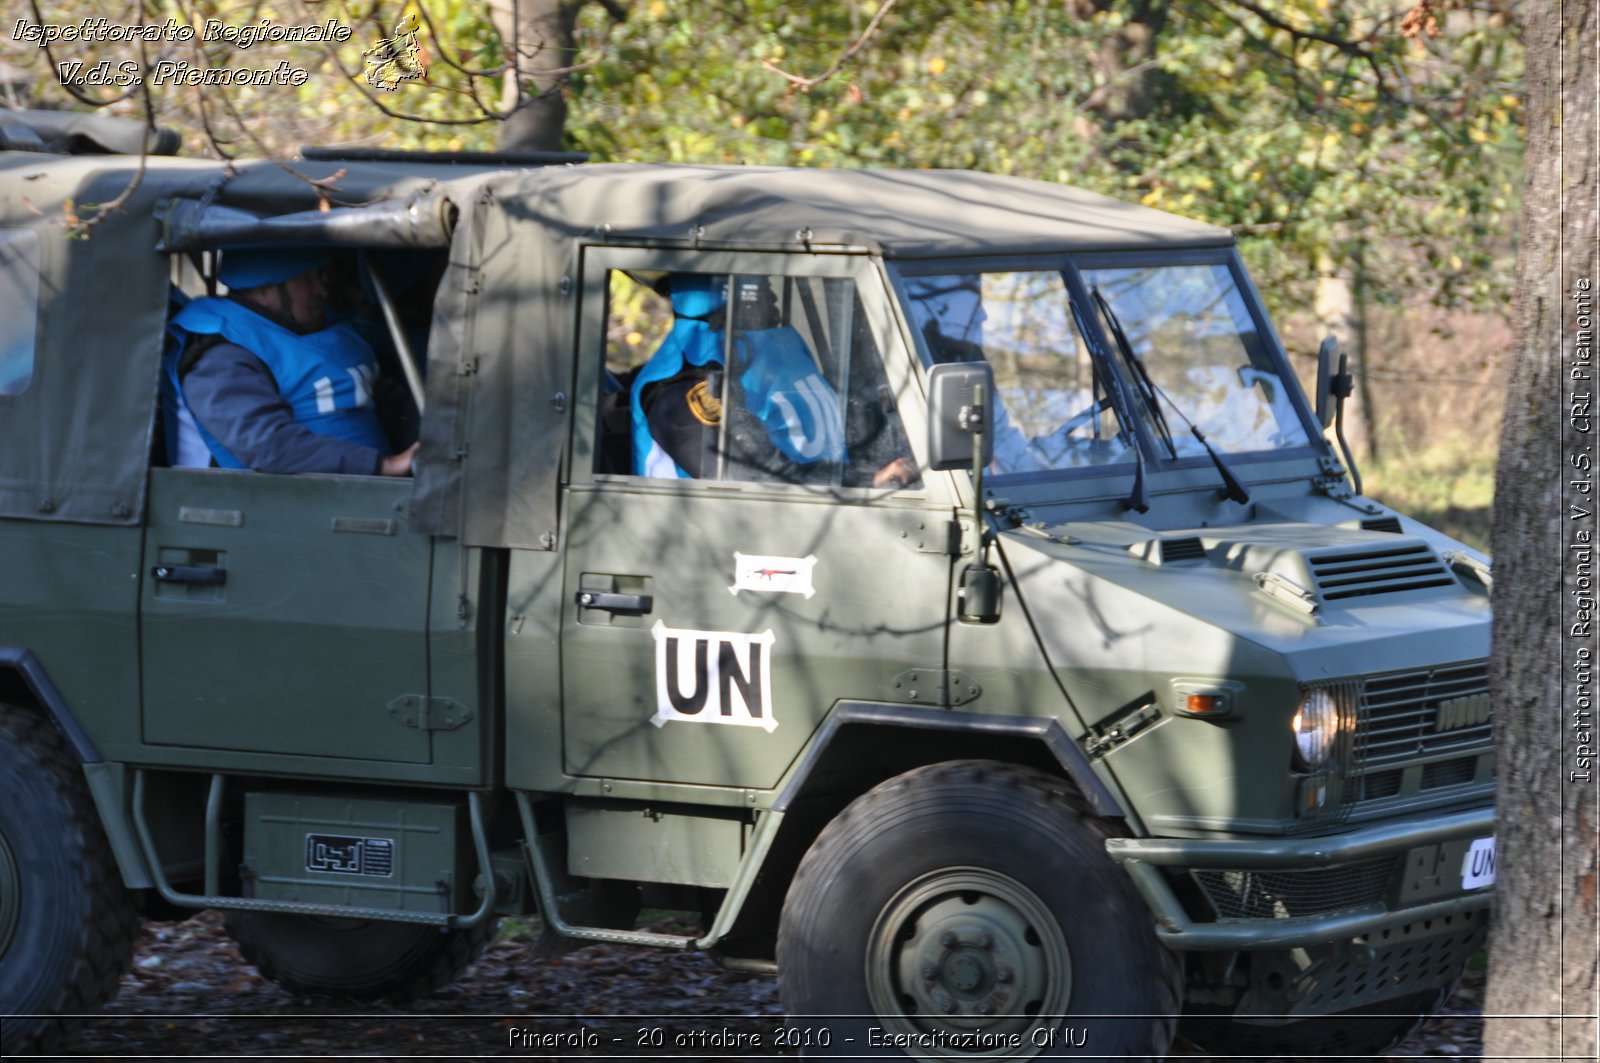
column 1477, row 867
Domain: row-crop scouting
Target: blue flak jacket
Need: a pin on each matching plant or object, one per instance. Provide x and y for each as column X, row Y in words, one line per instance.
column 782, row 388
column 325, row 377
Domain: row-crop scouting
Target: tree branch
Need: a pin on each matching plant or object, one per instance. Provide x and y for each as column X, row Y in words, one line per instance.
column 805, row 84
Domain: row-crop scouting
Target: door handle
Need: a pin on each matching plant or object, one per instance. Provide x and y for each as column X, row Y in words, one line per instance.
column 614, row 603
column 189, row 574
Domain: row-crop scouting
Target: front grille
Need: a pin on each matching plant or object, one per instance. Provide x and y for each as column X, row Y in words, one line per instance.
column 1378, row 570
column 1449, row 772
column 1381, row 784
column 1399, row 718
column 1283, row 894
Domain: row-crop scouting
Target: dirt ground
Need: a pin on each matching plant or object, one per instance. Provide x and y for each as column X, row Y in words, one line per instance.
column 189, row 995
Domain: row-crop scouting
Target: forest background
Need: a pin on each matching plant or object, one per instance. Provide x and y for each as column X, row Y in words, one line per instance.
column 1367, row 154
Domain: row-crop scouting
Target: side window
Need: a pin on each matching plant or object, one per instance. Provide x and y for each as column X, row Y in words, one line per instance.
column 19, row 308
column 346, row 379
column 746, row 378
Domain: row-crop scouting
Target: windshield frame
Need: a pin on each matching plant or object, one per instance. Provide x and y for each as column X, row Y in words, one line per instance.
column 1102, row 347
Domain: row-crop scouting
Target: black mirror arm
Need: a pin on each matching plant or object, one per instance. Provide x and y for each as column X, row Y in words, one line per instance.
column 975, row 419
column 1341, row 386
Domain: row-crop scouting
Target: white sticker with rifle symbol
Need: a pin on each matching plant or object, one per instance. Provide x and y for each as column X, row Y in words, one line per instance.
column 713, row 677
column 785, row 575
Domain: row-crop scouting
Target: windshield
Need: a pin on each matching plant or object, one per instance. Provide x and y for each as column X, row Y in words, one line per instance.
column 1054, row 413
column 1190, row 328
column 1187, row 324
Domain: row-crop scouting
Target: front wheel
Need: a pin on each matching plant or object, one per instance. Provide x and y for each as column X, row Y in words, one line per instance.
column 969, row 910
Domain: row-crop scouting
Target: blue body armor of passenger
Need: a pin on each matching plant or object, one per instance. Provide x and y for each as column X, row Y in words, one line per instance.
column 325, row 377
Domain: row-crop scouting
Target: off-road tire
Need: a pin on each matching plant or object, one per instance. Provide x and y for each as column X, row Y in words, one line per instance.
column 67, row 925
column 354, row 959
column 925, row 889
column 1358, row 1033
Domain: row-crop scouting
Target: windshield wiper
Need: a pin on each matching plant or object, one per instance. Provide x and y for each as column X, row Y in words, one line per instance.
column 1155, row 396
column 1139, row 498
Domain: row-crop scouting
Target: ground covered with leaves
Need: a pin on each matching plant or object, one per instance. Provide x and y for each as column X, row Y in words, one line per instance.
column 190, row 995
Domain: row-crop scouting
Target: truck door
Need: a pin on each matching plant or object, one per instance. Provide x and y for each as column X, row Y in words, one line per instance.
column 284, row 614
column 709, row 622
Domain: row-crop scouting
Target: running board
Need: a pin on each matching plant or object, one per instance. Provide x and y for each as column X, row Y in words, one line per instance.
column 211, row 898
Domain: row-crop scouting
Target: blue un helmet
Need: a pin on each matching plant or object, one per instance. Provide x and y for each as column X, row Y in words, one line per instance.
column 253, row 267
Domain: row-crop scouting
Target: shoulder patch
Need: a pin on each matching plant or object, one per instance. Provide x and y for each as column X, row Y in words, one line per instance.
column 706, row 407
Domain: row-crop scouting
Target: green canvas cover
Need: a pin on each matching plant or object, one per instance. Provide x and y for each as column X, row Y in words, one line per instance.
column 77, row 441
column 499, row 381
column 901, row 213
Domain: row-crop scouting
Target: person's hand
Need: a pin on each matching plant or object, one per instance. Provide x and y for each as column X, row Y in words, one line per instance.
column 901, row 472
column 399, row 464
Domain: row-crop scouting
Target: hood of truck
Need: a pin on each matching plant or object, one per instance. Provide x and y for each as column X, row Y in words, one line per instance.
column 1326, row 601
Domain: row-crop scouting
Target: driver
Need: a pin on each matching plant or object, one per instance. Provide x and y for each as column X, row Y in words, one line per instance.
column 784, row 420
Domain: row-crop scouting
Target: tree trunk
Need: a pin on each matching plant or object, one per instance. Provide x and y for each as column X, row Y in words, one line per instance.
column 537, row 36
column 1542, row 955
column 1124, row 80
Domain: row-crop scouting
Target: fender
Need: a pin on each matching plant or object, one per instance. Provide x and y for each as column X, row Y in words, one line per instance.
column 1041, row 729
column 103, row 786
column 46, row 694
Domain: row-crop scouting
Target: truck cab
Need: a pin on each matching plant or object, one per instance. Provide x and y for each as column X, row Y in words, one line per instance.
column 1009, row 655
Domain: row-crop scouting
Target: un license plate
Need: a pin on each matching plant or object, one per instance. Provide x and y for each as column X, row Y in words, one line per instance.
column 340, row 855
column 1477, row 867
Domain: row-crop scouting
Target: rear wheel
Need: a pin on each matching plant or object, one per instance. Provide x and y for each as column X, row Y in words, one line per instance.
column 67, row 926
column 969, row 910
column 354, row 959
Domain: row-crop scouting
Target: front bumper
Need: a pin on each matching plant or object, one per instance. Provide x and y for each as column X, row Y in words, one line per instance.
column 1402, row 903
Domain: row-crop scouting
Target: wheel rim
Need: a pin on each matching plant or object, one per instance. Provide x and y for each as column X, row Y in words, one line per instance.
column 967, row 960
column 10, row 896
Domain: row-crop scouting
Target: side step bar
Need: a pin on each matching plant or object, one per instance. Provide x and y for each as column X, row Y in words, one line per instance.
column 212, row 897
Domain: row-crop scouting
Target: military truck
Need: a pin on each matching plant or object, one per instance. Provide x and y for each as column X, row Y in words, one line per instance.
column 1073, row 695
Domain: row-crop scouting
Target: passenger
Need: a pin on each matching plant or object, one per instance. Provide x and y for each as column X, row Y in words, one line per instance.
column 785, row 423
column 260, row 381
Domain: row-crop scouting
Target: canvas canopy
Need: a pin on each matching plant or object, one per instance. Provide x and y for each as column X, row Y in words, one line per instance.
column 500, row 370
column 79, row 438
column 902, row 214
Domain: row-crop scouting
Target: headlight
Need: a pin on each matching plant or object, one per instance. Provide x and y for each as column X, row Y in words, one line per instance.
column 1316, row 726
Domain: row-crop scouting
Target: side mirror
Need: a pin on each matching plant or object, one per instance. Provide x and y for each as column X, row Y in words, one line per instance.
column 1327, row 361
column 955, row 413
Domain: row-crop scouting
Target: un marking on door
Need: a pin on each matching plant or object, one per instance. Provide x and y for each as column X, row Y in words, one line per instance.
column 713, row 677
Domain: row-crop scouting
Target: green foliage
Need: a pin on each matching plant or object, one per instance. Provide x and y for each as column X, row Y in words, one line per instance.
column 1313, row 128
column 1308, row 149
column 1447, row 485
column 449, row 109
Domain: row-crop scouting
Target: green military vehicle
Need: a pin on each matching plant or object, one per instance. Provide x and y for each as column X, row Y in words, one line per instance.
column 1065, row 696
